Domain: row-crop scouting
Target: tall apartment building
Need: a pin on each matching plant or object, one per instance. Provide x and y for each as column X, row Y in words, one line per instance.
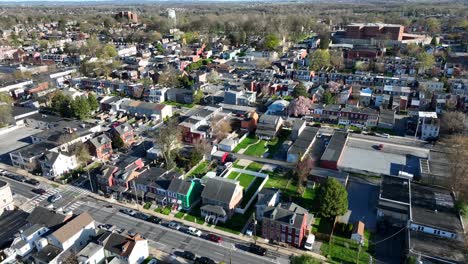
column 130, row 16
column 374, row 31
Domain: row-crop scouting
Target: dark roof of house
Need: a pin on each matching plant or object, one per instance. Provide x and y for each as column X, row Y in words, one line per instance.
column 123, row 128
column 18, row 111
column 434, row 206
column 155, row 175
column 335, row 146
column 267, row 125
column 285, row 213
column 179, row 186
column 220, row 189
column 37, row 149
column 100, row 140
column 119, row 244
column 46, row 217
column 395, row 188
column 266, row 194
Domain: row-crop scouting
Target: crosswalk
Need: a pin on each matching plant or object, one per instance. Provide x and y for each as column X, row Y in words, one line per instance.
column 75, row 189
column 39, row 198
column 74, row 206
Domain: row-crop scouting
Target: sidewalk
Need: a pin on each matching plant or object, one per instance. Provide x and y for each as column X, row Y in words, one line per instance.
column 271, row 248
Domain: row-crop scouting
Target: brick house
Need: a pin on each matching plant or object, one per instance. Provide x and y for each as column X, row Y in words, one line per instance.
column 125, row 132
column 288, row 223
column 116, row 178
column 101, row 147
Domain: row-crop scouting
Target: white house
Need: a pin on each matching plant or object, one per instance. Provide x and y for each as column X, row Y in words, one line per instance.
column 75, row 233
column 54, row 164
column 91, row 254
column 430, row 125
column 26, row 242
column 126, row 248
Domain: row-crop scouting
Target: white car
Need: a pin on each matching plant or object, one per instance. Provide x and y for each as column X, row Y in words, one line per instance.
column 174, row 225
column 194, row 232
column 309, row 244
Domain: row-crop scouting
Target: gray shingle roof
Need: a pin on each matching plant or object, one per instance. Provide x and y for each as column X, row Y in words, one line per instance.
column 179, row 186
column 285, row 212
column 220, row 189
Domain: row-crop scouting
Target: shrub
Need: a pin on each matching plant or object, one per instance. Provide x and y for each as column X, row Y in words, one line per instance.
column 462, row 207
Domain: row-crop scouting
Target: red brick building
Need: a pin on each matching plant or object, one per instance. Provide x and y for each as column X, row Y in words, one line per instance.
column 101, row 147
column 375, row 31
column 130, row 16
column 126, row 133
column 287, row 223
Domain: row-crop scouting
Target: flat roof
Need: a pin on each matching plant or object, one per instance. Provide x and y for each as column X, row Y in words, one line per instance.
column 395, row 189
column 427, row 114
column 436, row 246
column 434, row 206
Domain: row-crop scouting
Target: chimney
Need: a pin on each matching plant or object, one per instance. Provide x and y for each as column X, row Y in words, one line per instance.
column 291, row 220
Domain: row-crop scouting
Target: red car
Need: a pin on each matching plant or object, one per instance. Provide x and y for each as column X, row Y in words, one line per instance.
column 215, row 238
column 39, row 191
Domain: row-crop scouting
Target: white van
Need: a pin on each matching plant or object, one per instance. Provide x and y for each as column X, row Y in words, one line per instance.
column 309, row 244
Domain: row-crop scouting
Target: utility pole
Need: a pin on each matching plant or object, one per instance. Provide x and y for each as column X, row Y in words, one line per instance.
column 255, row 227
column 90, row 182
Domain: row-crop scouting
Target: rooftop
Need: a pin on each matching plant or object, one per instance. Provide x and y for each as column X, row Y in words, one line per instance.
column 335, row 146
column 435, row 246
column 395, row 189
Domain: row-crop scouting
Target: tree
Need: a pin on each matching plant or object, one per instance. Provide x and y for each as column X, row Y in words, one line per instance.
column 198, row 96
column 92, row 102
column 168, row 138
column 303, row 168
column 213, row 77
column 324, row 41
column 263, row 63
column 81, row 152
column 461, row 207
column 433, row 25
column 334, row 199
column 169, row 78
column 458, row 167
column 61, row 104
column 318, row 59
column 107, row 52
column 336, row 59
column 271, row 42
column 304, row 259
column 452, row 122
column 66, row 138
column 300, row 106
column 80, row 108
column 199, row 149
column 413, row 50
column 5, row 109
column 117, row 141
column 328, row 98
column 300, row 90
column 220, row 127
column 425, row 61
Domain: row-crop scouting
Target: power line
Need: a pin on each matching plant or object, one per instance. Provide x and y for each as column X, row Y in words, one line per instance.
column 389, row 236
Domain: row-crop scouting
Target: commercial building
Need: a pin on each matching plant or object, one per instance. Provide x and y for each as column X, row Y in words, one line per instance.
column 374, row 31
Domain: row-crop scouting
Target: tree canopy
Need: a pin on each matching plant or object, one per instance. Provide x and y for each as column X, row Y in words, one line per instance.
column 271, row 42
column 334, row 198
column 300, row 90
column 5, row 109
column 320, row 58
column 304, row 259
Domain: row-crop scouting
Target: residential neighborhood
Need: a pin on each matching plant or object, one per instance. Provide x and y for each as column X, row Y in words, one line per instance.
column 232, row 132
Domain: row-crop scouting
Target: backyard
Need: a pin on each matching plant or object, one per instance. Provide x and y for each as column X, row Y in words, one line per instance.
column 200, row 170
column 257, row 181
column 253, row 146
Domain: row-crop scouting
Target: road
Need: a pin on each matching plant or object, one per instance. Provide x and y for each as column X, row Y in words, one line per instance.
column 77, row 200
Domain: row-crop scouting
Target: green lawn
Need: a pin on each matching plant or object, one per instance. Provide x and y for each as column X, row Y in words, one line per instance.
column 344, row 250
column 195, row 219
column 233, row 175
column 254, row 166
column 179, row 215
column 250, row 139
column 200, row 170
column 245, row 180
column 309, row 193
column 257, row 149
column 164, row 211
column 251, row 191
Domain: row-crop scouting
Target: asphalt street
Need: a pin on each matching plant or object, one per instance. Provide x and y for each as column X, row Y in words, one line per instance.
column 76, row 199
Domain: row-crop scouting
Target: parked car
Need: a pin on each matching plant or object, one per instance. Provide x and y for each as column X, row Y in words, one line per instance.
column 141, row 216
column 186, row 255
column 215, row 238
column 174, row 225
column 204, row 260
column 19, row 178
column 309, row 244
column 154, row 220
column 39, row 191
column 55, row 197
column 127, row 211
column 194, row 232
column 32, row 182
column 256, row 249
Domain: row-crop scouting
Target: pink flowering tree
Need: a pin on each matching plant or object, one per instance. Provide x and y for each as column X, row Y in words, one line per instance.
column 300, row 106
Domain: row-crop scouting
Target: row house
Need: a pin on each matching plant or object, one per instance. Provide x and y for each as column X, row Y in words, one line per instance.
column 151, row 110
column 125, row 132
column 358, row 117
column 197, row 126
column 152, row 184
column 101, row 147
column 116, row 177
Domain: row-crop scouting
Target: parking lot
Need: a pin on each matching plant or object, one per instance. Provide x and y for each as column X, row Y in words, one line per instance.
column 14, row 140
column 362, row 199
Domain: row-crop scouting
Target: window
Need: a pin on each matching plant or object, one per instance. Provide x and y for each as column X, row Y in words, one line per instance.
column 289, row 238
column 296, row 241
column 283, row 228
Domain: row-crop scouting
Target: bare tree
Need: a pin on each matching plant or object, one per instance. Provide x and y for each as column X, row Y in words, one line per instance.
column 459, row 165
column 303, row 168
column 452, row 122
column 5, row 109
column 168, row 138
column 221, row 127
column 169, row 78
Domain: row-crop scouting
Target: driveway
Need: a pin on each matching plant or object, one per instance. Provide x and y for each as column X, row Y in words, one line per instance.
column 362, row 200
